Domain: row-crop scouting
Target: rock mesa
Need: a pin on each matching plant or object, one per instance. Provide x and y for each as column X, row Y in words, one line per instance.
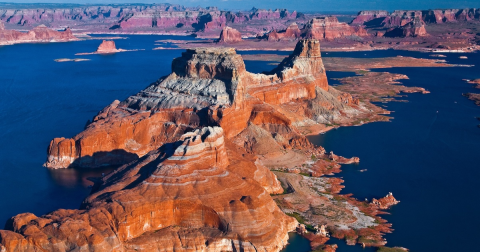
column 107, row 46
column 230, row 35
column 206, row 87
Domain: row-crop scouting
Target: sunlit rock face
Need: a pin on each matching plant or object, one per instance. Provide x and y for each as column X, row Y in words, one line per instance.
column 197, row 194
column 321, row 28
column 229, row 35
column 38, row 34
column 206, row 87
column 107, row 46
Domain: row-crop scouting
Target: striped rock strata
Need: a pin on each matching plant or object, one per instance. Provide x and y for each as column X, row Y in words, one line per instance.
column 207, row 87
column 196, row 194
column 38, row 34
column 321, row 28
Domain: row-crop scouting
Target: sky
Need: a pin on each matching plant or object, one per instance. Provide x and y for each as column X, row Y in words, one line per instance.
column 299, row 5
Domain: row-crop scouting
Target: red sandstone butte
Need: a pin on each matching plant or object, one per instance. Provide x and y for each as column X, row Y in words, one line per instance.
column 230, row 35
column 208, row 87
column 38, row 34
column 107, row 46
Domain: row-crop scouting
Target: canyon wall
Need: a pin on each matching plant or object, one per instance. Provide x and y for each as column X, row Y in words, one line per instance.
column 196, row 194
column 401, row 17
column 321, row 28
column 38, row 34
column 151, row 18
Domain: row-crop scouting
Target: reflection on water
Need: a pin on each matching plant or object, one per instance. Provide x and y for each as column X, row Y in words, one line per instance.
column 73, row 177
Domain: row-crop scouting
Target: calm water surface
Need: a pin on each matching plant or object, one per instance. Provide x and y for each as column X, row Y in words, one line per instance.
column 429, row 160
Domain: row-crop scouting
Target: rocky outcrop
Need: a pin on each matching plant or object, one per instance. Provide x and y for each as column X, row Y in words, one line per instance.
column 148, row 18
column 322, row 28
column 207, row 87
column 329, row 28
column 38, row 34
column 199, row 193
column 291, row 33
column 385, row 202
column 402, row 17
column 367, row 16
column 107, row 46
column 230, row 35
column 474, row 97
column 415, row 28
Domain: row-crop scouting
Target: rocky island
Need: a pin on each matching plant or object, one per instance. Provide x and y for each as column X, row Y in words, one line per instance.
column 107, row 47
column 196, row 150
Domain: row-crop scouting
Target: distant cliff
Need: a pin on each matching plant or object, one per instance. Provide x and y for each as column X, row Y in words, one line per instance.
column 160, row 18
column 401, row 17
column 38, row 34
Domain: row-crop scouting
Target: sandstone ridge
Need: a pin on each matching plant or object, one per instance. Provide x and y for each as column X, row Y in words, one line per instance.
column 38, row 34
column 321, row 28
column 196, row 194
column 207, row 87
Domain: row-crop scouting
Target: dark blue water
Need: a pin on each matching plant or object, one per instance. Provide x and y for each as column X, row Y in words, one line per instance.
column 426, row 159
column 429, row 160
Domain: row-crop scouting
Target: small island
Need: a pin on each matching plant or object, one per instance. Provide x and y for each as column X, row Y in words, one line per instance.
column 107, row 47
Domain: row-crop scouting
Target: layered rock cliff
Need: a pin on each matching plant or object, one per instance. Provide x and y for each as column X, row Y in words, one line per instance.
column 199, row 193
column 415, row 28
column 206, row 87
column 321, row 28
column 229, row 35
column 402, row 17
column 38, row 34
column 146, row 18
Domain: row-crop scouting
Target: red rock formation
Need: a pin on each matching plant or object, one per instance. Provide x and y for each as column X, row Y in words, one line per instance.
column 207, row 86
column 329, row 28
column 38, row 34
column 385, row 202
column 367, row 16
column 324, row 28
column 415, row 28
column 107, row 47
column 402, row 17
column 149, row 18
column 195, row 194
column 291, row 33
column 230, row 35
column 186, row 185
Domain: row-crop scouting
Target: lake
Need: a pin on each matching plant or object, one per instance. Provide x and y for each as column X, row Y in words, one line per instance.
column 429, row 160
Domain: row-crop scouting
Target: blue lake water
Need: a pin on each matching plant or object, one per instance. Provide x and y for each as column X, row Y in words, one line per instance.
column 428, row 160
